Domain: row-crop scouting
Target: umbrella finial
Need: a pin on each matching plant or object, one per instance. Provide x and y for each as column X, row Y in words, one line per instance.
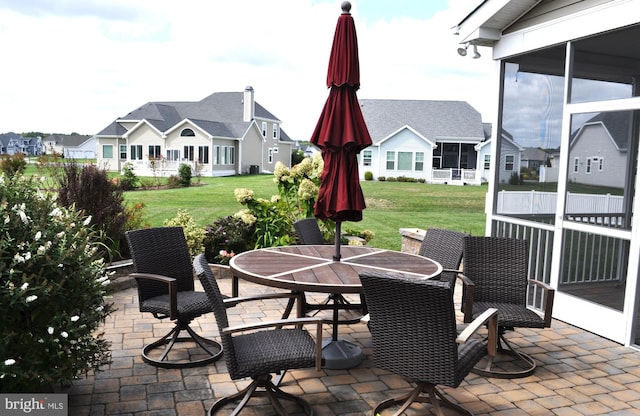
column 346, row 7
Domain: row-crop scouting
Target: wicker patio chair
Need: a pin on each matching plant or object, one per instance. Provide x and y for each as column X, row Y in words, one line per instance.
column 496, row 276
column 253, row 351
column 413, row 331
column 308, row 232
column 446, row 247
column 164, row 275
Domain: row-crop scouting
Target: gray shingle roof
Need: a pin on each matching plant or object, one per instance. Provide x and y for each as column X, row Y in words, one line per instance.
column 219, row 114
column 434, row 120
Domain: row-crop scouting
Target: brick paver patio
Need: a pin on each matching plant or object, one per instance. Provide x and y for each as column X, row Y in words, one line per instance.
column 579, row 373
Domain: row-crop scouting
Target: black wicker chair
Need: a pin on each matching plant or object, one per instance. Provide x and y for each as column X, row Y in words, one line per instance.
column 496, row 276
column 446, row 247
column 253, row 351
column 164, row 274
column 413, row 330
column 309, row 232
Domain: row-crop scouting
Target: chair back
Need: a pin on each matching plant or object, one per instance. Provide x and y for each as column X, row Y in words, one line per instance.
column 211, row 288
column 413, row 327
column 444, row 246
column 498, row 267
column 308, row 231
column 163, row 251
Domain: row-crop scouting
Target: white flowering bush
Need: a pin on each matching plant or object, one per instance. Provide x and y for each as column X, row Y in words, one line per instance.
column 52, row 288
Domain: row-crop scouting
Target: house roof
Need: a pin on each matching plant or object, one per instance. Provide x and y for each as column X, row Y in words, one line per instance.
column 68, row 140
column 533, row 153
column 5, row 138
column 616, row 123
column 485, row 24
column 434, row 120
column 219, row 115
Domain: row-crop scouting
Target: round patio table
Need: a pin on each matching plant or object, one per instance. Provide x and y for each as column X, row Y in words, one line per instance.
column 309, row 268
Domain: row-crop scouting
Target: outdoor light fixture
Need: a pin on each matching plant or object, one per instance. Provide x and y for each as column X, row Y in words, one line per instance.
column 463, row 51
column 476, row 54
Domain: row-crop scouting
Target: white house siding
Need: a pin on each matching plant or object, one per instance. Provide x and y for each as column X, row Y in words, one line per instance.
column 508, row 149
column 482, row 152
column 595, row 142
column 405, row 141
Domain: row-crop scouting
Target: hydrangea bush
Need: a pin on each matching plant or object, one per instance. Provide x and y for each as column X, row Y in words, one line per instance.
column 52, row 291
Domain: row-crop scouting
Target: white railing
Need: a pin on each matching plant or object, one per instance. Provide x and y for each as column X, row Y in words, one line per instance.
column 454, row 175
column 536, row 202
column 588, row 257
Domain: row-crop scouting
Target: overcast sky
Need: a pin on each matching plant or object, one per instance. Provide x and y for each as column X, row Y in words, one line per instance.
column 77, row 65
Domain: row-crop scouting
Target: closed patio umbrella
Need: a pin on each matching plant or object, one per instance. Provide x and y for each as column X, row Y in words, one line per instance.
column 341, row 132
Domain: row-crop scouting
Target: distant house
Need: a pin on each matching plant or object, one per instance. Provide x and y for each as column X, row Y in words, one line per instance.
column 12, row 143
column 224, row 134
column 599, row 150
column 510, row 161
column 422, row 139
column 71, row 146
column 533, row 158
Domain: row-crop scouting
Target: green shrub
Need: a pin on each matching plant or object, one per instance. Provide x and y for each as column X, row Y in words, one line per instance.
column 128, row 180
column 90, row 190
column 422, row 180
column 382, row 178
column 184, row 172
column 515, row 179
column 13, row 165
column 226, row 237
column 52, row 289
column 391, row 179
column 174, row 181
column 297, row 192
column 193, row 232
column 368, row 176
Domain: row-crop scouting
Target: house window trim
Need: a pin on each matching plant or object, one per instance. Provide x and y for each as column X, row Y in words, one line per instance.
column 507, row 163
column 391, row 159
column 264, row 129
column 367, row 157
column 486, row 163
column 104, row 151
column 122, row 149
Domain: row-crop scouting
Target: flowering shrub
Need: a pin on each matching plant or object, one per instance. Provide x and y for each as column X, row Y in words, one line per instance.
column 193, row 232
column 52, row 288
column 228, row 236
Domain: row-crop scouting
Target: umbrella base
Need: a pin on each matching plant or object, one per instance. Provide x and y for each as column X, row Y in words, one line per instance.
column 340, row 354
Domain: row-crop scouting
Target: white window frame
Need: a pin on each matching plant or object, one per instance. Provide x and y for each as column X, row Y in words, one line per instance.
column 264, row 129
column 487, row 162
column 507, row 163
column 173, row 154
column 275, row 131
column 576, row 164
column 391, row 158
column 123, row 151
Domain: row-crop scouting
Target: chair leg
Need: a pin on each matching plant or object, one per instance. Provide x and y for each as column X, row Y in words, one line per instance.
column 517, row 365
column 432, row 396
column 212, row 348
column 261, row 386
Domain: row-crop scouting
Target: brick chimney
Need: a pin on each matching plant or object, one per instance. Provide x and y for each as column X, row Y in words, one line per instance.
column 249, row 104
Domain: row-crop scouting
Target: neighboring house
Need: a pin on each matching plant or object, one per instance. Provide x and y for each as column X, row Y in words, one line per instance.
column 510, row 161
column 226, row 133
column 422, row 139
column 12, row 143
column 599, row 150
column 71, row 146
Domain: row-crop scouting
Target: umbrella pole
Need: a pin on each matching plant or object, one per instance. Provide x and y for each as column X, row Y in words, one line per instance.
column 336, row 256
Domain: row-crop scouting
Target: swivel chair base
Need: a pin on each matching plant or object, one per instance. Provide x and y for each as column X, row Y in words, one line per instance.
column 431, row 395
column 507, row 364
column 212, row 350
column 267, row 389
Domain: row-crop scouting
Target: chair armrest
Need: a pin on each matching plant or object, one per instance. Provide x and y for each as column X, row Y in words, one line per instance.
column 282, row 322
column 171, row 289
column 489, row 317
column 468, row 291
column 548, row 296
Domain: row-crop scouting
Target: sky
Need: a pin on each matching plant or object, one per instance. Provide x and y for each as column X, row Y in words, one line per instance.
column 77, row 65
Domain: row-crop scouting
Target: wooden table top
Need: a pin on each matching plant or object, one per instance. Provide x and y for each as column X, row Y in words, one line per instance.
column 310, row 268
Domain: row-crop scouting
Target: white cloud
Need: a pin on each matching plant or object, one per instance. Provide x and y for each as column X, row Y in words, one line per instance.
column 76, row 66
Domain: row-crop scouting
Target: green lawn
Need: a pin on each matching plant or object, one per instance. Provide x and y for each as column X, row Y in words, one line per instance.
column 390, row 205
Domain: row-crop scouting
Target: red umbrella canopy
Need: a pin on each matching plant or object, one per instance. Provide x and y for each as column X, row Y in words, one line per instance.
column 341, row 132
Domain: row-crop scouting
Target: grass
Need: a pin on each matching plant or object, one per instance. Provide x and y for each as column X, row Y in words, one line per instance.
column 390, row 205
